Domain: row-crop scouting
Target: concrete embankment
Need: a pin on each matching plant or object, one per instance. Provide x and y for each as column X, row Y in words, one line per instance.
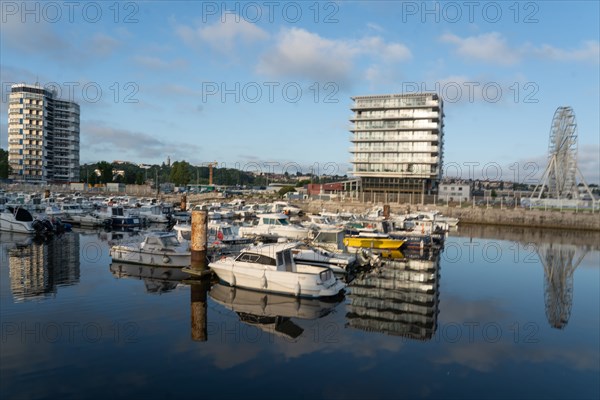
column 568, row 219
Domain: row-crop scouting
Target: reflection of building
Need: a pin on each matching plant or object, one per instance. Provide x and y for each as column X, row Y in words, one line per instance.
column 400, row 298
column 37, row 269
column 557, row 260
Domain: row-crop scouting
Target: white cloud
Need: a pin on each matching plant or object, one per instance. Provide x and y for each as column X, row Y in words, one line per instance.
column 588, row 52
column 493, row 48
column 487, row 47
column 222, row 36
column 302, row 54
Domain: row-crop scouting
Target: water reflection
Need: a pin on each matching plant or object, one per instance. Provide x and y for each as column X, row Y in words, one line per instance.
column 270, row 312
column 399, row 298
column 560, row 262
column 157, row 280
column 560, row 253
column 37, row 268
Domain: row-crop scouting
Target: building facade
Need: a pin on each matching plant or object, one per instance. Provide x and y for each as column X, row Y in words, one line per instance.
column 43, row 136
column 455, row 192
column 397, row 142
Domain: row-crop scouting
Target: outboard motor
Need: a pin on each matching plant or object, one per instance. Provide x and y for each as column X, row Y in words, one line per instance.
column 38, row 226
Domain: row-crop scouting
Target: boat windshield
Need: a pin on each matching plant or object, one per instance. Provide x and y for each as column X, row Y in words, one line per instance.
column 170, row 241
column 187, row 235
column 326, row 237
column 282, row 221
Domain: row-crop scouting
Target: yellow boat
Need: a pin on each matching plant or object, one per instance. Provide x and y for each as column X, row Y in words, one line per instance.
column 376, row 243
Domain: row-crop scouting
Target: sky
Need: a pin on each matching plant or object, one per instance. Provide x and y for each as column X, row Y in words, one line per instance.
column 267, row 85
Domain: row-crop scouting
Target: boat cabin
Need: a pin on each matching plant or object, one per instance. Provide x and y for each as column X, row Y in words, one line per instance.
column 283, row 260
column 160, row 242
column 274, row 219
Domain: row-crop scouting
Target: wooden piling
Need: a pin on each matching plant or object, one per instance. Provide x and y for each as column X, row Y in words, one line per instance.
column 198, row 307
column 183, row 205
column 386, row 211
column 198, row 246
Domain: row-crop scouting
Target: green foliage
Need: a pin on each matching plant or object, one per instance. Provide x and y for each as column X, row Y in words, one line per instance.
column 494, row 194
column 5, row 169
column 180, row 173
column 286, row 189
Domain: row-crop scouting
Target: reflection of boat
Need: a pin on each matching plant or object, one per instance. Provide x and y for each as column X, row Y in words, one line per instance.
column 156, row 279
column 157, row 249
column 271, row 304
column 271, row 312
column 271, row 268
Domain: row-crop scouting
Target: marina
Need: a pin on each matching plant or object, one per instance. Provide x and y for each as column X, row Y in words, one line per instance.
column 488, row 307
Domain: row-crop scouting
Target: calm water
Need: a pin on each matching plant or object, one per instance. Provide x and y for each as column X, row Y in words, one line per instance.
column 500, row 313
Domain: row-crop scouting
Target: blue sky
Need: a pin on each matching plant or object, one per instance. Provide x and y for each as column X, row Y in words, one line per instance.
column 269, row 83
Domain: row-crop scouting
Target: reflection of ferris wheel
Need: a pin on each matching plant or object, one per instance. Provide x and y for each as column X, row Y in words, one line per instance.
column 560, row 175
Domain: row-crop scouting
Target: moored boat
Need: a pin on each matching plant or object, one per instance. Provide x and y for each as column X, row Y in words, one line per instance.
column 271, row 268
column 157, row 249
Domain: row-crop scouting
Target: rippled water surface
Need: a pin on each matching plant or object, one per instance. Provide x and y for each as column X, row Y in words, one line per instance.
column 499, row 313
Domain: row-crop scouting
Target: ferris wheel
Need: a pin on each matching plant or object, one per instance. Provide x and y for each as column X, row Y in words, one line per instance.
column 560, row 176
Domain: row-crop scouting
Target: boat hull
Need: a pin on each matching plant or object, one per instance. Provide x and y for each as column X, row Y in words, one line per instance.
column 167, row 259
column 8, row 224
column 295, row 284
column 373, row 243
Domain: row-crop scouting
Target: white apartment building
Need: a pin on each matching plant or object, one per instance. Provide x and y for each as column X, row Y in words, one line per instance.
column 43, row 136
column 455, row 192
column 397, row 142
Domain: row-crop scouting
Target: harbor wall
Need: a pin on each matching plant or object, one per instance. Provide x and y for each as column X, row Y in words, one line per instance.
column 519, row 217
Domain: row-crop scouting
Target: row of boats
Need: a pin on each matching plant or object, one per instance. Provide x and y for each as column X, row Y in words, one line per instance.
column 279, row 256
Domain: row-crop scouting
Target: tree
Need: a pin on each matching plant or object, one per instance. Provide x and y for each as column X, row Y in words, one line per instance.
column 5, row 169
column 494, row 194
column 180, row 173
column 106, row 171
column 286, row 189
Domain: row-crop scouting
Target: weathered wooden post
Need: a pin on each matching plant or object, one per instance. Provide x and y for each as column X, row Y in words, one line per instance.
column 199, row 290
column 199, row 266
column 183, row 205
column 386, row 211
column 198, row 244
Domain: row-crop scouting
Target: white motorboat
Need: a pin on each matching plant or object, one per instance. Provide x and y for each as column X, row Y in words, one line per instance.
column 271, row 268
column 338, row 262
column 158, row 249
column 222, row 232
column 153, row 213
column 91, row 219
column 17, row 219
column 275, row 226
